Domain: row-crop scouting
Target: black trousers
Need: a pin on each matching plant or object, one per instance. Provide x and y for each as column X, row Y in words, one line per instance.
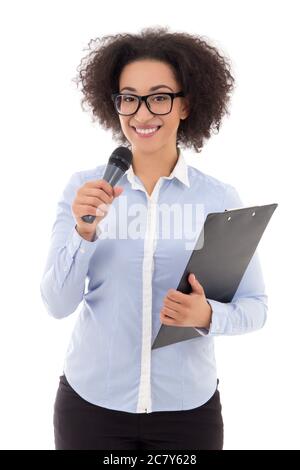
column 79, row 424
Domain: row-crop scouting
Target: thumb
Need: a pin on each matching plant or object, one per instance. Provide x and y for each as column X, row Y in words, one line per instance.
column 196, row 286
column 117, row 191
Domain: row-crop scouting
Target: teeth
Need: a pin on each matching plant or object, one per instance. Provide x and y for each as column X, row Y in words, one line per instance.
column 146, row 131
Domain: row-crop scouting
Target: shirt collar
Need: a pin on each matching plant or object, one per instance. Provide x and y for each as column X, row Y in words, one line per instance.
column 180, row 171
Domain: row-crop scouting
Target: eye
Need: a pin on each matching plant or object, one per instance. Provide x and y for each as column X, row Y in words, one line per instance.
column 160, row 97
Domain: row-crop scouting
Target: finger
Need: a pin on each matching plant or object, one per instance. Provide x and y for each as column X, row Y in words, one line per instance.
column 177, row 296
column 169, row 318
column 100, row 213
column 103, row 208
column 83, row 209
column 172, row 305
column 91, row 201
column 118, row 191
column 166, row 312
column 98, row 193
column 101, row 184
column 167, row 321
column 172, row 313
column 196, row 286
column 178, row 315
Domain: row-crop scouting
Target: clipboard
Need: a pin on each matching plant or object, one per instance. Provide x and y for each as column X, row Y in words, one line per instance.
column 219, row 260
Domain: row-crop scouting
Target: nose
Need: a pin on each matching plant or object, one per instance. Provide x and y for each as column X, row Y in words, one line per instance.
column 143, row 112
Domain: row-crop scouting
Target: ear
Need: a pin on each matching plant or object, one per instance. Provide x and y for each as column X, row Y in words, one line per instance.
column 184, row 109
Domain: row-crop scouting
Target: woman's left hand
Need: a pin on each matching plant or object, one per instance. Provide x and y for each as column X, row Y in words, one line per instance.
column 187, row 309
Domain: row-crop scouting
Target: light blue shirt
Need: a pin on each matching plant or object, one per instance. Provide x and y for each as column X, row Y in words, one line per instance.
column 121, row 279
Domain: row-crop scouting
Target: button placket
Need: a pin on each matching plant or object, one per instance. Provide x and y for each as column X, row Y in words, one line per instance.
column 144, row 402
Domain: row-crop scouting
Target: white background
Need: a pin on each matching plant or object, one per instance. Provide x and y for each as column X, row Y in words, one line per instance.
column 45, row 137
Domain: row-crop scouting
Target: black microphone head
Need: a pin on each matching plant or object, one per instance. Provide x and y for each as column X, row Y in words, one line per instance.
column 121, row 157
column 119, row 162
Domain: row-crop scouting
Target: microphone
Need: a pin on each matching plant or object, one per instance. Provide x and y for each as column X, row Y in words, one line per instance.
column 119, row 162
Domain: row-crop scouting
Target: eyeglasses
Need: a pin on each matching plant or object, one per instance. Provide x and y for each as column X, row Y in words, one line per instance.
column 157, row 103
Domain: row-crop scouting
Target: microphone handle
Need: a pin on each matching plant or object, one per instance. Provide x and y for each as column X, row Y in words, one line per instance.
column 112, row 175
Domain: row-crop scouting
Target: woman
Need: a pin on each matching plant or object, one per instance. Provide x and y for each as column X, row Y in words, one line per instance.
column 156, row 91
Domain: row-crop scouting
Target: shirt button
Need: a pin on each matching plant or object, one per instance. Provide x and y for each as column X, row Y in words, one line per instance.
column 82, row 250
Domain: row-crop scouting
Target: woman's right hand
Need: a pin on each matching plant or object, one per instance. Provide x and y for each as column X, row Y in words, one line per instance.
column 93, row 198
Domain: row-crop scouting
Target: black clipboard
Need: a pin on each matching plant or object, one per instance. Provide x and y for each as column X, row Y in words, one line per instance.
column 219, row 260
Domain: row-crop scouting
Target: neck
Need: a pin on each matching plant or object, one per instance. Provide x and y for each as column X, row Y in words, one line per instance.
column 152, row 166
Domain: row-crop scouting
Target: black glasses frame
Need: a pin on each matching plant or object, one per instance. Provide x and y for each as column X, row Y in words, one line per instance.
column 144, row 98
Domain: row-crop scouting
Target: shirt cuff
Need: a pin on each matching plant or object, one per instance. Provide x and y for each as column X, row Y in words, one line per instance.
column 77, row 243
column 204, row 331
column 219, row 317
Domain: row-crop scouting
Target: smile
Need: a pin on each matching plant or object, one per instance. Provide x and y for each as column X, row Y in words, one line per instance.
column 146, row 132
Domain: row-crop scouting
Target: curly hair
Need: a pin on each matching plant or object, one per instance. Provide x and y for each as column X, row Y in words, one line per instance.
column 199, row 68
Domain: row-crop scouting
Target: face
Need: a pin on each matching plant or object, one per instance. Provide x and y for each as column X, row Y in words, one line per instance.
column 140, row 76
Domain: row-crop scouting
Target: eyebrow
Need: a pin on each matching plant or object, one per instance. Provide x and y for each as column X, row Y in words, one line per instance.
column 156, row 87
